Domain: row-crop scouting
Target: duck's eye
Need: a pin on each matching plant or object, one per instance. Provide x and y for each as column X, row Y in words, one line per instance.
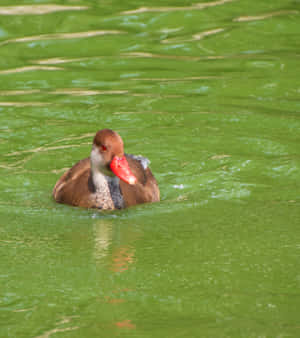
column 103, row 148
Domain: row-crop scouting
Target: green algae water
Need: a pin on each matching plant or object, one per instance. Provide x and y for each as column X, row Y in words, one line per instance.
column 209, row 92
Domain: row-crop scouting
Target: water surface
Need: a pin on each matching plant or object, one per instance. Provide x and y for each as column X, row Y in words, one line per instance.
column 209, row 92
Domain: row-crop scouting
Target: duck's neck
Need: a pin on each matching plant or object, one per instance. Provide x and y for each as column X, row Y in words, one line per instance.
column 98, row 175
column 100, row 180
column 107, row 189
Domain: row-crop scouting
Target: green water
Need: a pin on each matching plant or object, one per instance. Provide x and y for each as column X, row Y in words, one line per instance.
column 209, row 91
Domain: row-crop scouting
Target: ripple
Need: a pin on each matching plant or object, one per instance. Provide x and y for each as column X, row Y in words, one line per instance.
column 73, row 138
column 19, row 164
column 137, row 112
column 158, row 112
column 38, row 9
column 28, row 69
column 195, row 37
column 171, row 57
column 45, row 149
column 219, row 157
column 178, row 79
column 233, row 190
column 156, row 95
column 18, row 92
column 23, row 104
column 62, row 36
column 264, row 16
column 198, row 6
column 55, row 61
column 200, row 36
column 87, row 92
column 66, row 320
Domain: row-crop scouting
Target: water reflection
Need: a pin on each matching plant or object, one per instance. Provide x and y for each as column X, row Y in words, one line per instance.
column 18, row 92
column 195, row 37
column 28, row 69
column 125, row 324
column 114, row 250
column 58, row 60
column 45, row 148
column 198, row 6
column 122, row 258
column 188, row 78
column 171, row 57
column 62, row 36
column 27, row 154
column 114, row 246
column 38, row 9
column 87, row 92
column 64, row 321
column 103, row 239
column 264, row 16
column 23, row 104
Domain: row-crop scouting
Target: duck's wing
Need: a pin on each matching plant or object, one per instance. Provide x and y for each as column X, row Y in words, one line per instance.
column 146, row 190
column 75, row 185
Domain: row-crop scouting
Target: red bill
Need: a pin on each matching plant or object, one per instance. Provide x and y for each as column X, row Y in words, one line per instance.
column 120, row 168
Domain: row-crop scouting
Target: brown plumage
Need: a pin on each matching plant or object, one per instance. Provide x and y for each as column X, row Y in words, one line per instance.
column 93, row 182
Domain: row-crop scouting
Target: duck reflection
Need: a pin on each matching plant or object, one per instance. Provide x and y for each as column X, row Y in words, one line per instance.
column 115, row 251
column 103, row 239
column 122, row 257
column 114, row 245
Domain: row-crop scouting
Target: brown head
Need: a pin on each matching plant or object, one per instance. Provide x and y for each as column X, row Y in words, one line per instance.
column 107, row 156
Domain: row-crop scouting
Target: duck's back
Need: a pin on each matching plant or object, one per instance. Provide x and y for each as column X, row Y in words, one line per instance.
column 146, row 190
column 75, row 186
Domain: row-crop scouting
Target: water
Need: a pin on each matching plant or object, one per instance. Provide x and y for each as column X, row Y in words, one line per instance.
column 208, row 91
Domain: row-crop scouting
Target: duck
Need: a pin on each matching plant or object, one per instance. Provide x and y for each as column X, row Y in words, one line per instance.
column 108, row 179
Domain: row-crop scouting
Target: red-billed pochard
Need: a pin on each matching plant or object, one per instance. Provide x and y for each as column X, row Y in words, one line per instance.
column 108, row 179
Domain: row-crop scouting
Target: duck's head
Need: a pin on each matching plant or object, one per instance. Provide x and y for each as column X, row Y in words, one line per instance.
column 107, row 156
